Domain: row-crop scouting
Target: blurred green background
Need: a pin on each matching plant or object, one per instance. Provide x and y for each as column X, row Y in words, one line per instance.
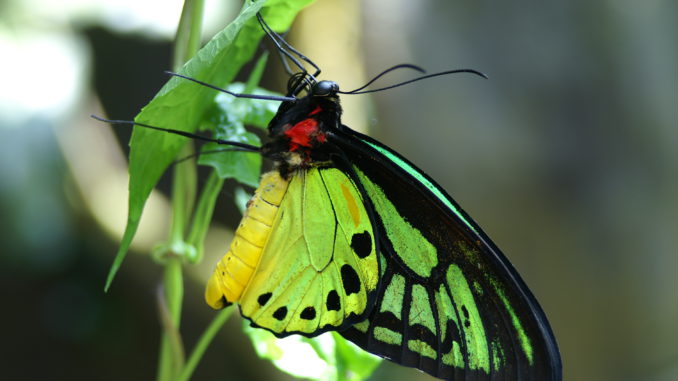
column 567, row 157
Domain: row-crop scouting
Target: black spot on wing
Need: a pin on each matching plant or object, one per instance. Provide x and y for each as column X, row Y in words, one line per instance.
column 361, row 243
column 308, row 313
column 350, row 280
column 280, row 313
column 467, row 320
column 332, row 302
column 423, row 333
column 263, row 298
column 451, row 335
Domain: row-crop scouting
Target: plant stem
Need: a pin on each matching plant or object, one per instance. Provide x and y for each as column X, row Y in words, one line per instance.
column 171, row 348
column 170, row 362
column 187, row 40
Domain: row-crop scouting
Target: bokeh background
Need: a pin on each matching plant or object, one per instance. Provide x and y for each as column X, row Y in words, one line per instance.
column 567, row 156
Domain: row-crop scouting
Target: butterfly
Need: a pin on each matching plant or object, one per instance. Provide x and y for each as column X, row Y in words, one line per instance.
column 344, row 234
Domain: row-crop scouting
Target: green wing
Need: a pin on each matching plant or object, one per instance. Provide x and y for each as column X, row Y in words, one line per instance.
column 449, row 303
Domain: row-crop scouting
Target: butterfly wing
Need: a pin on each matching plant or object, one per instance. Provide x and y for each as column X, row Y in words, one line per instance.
column 449, row 302
column 318, row 269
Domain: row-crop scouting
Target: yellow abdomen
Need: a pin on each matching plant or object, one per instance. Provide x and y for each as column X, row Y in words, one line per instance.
column 234, row 270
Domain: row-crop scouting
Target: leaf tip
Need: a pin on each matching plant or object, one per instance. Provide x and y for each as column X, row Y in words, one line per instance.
column 109, row 278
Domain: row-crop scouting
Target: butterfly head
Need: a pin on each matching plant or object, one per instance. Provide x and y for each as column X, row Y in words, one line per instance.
column 324, row 89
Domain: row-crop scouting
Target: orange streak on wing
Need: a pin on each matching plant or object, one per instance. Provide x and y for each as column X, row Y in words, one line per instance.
column 352, row 205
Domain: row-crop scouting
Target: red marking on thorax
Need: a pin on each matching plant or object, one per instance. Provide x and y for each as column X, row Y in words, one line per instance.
column 315, row 111
column 300, row 133
column 305, row 134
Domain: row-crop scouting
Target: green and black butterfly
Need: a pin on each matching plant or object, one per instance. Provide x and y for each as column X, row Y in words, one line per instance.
column 345, row 234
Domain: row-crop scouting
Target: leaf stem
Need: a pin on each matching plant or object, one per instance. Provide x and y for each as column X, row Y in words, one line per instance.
column 203, row 214
column 204, row 342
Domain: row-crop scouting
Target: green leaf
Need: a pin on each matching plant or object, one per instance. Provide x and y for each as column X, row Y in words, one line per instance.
column 328, row 357
column 228, row 119
column 251, row 112
column 245, row 167
column 352, row 362
column 181, row 104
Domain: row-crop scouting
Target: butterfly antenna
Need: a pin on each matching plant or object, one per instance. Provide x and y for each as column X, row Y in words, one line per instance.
column 283, row 60
column 241, row 146
column 359, row 91
column 235, row 149
column 299, row 80
column 279, row 42
column 393, row 68
column 237, row 95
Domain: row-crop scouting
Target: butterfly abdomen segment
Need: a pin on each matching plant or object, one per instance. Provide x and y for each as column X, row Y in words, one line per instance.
column 235, row 269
